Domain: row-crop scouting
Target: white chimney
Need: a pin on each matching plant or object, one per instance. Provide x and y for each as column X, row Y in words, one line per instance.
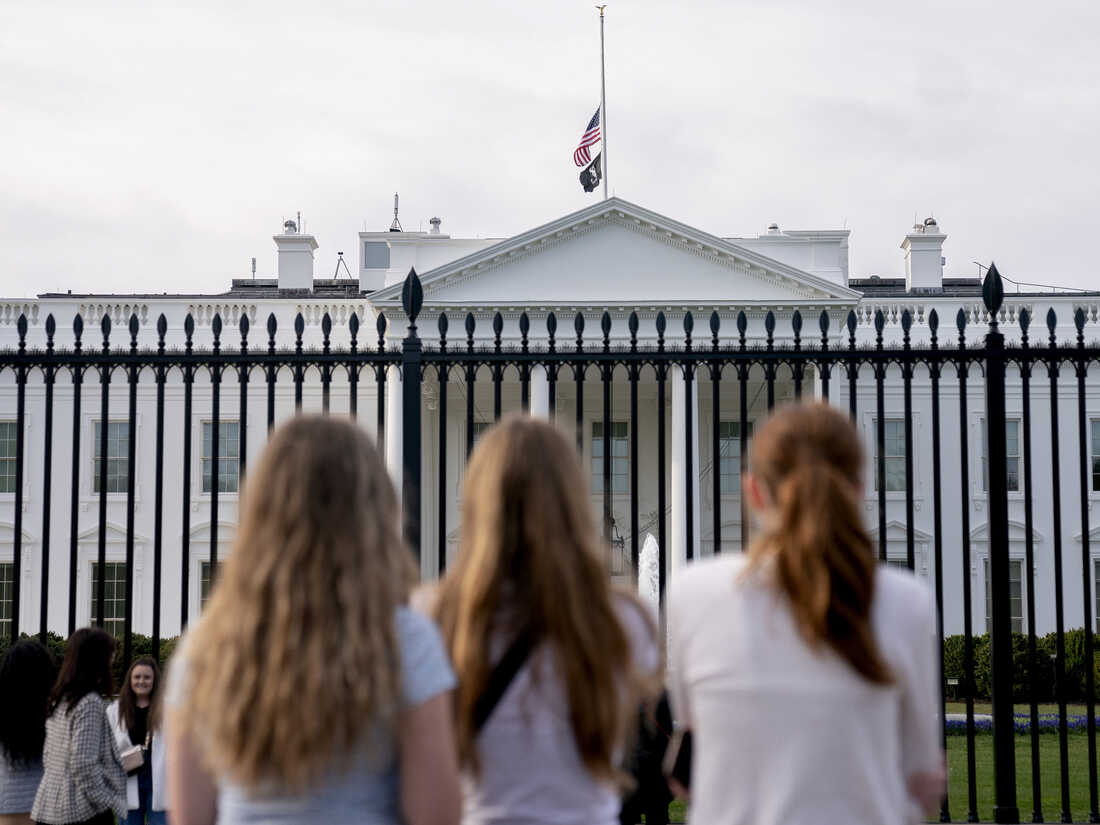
column 924, row 257
column 295, row 257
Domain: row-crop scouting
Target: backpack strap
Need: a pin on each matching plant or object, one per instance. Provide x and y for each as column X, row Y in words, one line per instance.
column 517, row 654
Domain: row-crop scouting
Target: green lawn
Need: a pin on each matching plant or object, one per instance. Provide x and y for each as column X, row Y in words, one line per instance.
column 983, row 757
column 986, row 707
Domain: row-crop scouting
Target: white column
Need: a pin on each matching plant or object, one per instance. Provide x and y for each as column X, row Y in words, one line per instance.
column 678, row 517
column 540, row 392
column 392, row 425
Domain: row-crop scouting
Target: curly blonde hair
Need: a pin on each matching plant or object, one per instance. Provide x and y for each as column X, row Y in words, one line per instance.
column 295, row 656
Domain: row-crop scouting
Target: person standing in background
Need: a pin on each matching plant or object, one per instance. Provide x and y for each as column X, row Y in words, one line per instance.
column 308, row 691
column 82, row 778
column 552, row 664
column 807, row 674
column 135, row 719
column 26, row 676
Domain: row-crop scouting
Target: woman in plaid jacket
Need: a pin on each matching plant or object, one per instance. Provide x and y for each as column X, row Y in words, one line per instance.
column 83, row 781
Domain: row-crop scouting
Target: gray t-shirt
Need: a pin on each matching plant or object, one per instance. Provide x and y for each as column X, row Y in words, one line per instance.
column 365, row 788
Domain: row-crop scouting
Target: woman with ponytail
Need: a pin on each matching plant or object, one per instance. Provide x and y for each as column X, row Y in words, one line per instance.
column 806, row 672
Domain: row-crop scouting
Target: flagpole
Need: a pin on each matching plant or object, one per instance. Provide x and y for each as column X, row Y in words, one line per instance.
column 603, row 104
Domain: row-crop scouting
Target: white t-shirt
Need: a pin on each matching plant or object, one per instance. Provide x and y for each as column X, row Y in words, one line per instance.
column 785, row 735
column 531, row 772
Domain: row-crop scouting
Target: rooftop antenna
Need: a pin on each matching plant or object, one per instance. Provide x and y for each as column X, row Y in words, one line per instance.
column 300, row 227
column 253, row 268
column 396, row 225
column 340, row 261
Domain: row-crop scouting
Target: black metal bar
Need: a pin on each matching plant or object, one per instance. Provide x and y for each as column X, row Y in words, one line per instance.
column 185, row 535
column 1029, row 563
column 471, row 378
column 968, row 635
column 131, row 470
column 1082, row 366
column 272, row 373
column 441, row 560
column 1059, row 609
column 17, row 527
column 497, row 373
column 215, row 465
column 662, row 531
column 715, row 459
column 934, row 368
column 605, row 375
column 578, row 378
column 48, row 377
column 635, row 457
column 104, row 427
column 353, row 390
column 74, row 514
column 552, row 390
column 380, row 393
column 743, row 438
column 158, row 504
column 689, row 465
column 880, row 457
column 907, row 406
column 412, row 297
column 1005, row 808
column 853, row 367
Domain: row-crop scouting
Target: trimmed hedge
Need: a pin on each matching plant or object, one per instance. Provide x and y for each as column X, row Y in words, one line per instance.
column 142, row 646
column 1045, row 687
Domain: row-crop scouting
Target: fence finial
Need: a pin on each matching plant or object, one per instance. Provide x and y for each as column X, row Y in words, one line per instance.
column 412, row 298
column 993, row 294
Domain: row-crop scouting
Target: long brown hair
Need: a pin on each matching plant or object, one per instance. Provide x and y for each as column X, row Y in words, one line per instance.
column 529, row 548
column 85, row 669
column 809, row 459
column 127, row 702
column 295, row 656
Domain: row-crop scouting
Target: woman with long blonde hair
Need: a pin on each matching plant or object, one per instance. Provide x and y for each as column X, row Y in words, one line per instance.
column 309, row 692
column 806, row 672
column 551, row 663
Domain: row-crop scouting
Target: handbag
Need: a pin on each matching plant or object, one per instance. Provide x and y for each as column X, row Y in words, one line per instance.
column 134, row 757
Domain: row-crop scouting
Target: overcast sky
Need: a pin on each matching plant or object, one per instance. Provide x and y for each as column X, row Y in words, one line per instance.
column 145, row 146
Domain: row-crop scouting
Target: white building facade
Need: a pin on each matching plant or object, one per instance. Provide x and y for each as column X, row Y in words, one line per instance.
column 614, row 256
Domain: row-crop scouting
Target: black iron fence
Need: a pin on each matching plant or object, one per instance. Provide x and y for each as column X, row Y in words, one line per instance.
column 832, row 365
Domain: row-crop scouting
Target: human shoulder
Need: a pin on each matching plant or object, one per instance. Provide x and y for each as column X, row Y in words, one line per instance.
column 710, row 576
column 902, row 592
column 425, row 668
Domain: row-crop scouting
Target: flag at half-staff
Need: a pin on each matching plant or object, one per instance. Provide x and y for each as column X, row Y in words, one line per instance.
column 582, row 155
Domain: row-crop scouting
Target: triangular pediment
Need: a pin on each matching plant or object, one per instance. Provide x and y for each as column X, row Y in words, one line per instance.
column 616, row 253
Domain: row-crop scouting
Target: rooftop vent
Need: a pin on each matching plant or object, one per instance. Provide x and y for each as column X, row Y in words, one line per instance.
column 435, row 222
column 773, row 229
column 290, row 228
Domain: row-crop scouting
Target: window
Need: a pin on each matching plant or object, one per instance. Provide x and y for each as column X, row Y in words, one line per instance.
column 1095, row 455
column 7, row 456
column 895, row 454
column 7, row 582
column 1012, row 453
column 900, row 562
column 618, row 457
column 118, row 448
column 114, row 597
column 729, row 455
column 206, row 581
column 229, row 456
column 1015, row 596
column 376, row 255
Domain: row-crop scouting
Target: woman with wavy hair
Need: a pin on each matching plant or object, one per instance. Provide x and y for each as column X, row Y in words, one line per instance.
column 26, row 676
column 806, row 672
column 551, row 662
column 135, row 720
column 309, row 692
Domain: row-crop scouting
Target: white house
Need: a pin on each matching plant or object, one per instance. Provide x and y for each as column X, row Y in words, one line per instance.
column 614, row 256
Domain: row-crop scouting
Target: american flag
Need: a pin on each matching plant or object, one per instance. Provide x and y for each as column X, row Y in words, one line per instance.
column 590, row 138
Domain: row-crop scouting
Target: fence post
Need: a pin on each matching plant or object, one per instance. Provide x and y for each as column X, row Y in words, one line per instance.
column 1005, row 808
column 412, row 299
